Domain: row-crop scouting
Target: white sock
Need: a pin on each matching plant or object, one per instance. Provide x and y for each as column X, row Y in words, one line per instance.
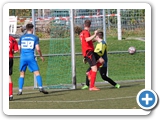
column 20, row 90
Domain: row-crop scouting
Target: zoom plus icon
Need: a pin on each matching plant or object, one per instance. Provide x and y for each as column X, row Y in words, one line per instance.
column 147, row 99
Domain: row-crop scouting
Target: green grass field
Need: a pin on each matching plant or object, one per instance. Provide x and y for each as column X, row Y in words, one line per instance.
column 127, row 70
column 107, row 98
column 121, row 66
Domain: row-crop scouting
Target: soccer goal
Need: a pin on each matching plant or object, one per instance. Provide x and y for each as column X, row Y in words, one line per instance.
column 64, row 65
column 61, row 68
column 61, row 61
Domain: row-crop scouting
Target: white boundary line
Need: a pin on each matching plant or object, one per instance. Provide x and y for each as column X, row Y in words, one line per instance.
column 79, row 84
column 98, row 83
column 75, row 101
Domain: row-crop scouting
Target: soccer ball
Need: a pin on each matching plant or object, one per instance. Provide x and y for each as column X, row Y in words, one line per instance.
column 131, row 50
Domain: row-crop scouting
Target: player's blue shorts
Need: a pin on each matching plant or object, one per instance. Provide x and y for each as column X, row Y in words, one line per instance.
column 30, row 62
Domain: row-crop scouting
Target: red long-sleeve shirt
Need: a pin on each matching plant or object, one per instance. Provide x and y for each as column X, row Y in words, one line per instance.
column 13, row 46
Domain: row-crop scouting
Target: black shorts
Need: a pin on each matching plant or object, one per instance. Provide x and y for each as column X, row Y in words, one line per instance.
column 92, row 57
column 10, row 66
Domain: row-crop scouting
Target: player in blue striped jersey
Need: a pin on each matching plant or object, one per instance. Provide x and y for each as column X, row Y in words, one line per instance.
column 27, row 45
column 101, row 50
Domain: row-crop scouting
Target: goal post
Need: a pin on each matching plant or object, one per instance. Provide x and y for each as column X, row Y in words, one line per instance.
column 72, row 48
column 33, row 22
column 119, row 24
column 104, row 26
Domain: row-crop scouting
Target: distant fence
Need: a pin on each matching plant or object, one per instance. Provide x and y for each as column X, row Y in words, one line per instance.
column 132, row 21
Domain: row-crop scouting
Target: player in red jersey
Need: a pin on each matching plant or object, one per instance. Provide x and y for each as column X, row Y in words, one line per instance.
column 88, row 53
column 13, row 48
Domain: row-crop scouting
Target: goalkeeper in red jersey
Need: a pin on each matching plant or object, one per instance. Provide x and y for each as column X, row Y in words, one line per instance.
column 88, row 53
column 101, row 50
column 13, row 48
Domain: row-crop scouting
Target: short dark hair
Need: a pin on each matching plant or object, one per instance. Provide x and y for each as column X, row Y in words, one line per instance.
column 100, row 35
column 87, row 23
column 29, row 26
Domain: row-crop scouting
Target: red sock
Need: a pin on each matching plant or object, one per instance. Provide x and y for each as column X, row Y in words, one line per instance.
column 93, row 79
column 89, row 74
column 98, row 65
column 10, row 89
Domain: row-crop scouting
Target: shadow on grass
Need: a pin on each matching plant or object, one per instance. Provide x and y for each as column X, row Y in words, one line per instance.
column 30, row 95
column 122, row 86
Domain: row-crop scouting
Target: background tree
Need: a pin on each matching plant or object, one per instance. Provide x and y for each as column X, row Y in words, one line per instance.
column 20, row 12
